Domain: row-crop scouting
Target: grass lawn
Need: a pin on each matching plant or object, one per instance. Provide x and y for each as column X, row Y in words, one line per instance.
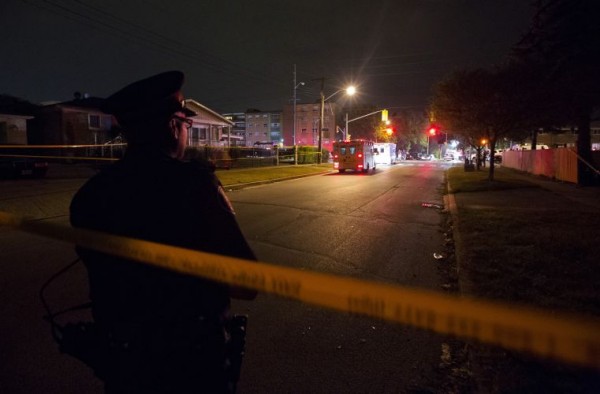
column 530, row 254
column 477, row 181
column 265, row 174
column 526, row 254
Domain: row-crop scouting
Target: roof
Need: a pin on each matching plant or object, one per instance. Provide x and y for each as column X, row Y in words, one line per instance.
column 206, row 114
column 16, row 106
column 85, row 102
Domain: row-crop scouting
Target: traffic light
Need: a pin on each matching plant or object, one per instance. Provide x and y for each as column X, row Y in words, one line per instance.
column 384, row 115
column 433, row 130
column 390, row 130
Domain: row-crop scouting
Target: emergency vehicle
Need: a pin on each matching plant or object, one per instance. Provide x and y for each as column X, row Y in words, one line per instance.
column 385, row 153
column 354, row 155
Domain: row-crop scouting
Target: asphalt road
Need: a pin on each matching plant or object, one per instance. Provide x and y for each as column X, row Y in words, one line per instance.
column 367, row 226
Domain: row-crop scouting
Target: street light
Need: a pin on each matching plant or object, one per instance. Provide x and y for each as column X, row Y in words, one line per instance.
column 350, row 90
column 347, row 136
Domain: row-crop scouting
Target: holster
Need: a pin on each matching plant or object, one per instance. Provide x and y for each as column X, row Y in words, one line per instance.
column 236, row 348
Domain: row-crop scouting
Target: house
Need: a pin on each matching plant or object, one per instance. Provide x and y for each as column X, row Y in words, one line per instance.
column 210, row 128
column 76, row 122
column 13, row 129
column 81, row 122
column 14, row 116
column 567, row 137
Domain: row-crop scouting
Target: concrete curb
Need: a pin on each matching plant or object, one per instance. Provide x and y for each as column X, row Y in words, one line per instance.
column 459, row 255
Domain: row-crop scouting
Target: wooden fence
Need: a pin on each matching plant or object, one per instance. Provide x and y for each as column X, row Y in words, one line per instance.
column 559, row 163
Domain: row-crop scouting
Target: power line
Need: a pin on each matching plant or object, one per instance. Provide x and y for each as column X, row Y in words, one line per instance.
column 136, row 33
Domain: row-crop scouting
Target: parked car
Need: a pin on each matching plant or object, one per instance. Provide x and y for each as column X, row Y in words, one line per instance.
column 17, row 167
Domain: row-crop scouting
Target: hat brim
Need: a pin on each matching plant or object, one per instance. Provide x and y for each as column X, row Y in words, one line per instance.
column 188, row 112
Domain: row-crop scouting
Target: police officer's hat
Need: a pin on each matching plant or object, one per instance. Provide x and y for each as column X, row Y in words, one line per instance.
column 158, row 96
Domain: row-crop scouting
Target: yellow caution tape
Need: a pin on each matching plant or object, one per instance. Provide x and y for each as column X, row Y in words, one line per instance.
column 62, row 157
column 567, row 337
column 61, row 146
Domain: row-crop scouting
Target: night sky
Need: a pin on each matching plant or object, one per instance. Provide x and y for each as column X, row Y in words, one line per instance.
column 240, row 54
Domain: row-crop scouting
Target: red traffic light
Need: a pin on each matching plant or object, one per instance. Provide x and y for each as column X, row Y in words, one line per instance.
column 390, row 130
column 433, row 131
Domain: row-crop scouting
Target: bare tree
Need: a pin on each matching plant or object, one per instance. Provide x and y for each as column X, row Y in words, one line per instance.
column 482, row 105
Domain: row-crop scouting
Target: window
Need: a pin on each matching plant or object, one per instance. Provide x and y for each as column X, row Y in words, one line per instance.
column 343, row 150
column 94, row 121
column 352, row 150
column 202, row 134
column 193, row 136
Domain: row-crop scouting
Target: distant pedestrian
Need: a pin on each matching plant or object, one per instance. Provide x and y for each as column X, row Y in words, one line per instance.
column 165, row 332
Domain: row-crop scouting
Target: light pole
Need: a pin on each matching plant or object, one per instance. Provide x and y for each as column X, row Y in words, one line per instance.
column 295, row 88
column 347, row 136
column 350, row 90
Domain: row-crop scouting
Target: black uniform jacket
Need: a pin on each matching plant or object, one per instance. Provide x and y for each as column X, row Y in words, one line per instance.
column 160, row 199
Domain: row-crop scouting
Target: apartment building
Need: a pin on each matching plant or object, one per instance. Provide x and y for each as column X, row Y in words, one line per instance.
column 307, row 124
column 263, row 127
column 238, row 131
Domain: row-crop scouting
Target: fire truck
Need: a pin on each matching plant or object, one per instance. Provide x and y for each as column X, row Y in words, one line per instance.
column 354, row 155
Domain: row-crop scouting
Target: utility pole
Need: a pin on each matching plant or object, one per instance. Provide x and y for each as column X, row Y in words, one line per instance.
column 346, row 135
column 294, row 109
column 294, row 128
column 320, row 145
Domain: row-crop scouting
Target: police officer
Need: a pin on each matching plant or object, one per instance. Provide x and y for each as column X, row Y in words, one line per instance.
column 165, row 332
